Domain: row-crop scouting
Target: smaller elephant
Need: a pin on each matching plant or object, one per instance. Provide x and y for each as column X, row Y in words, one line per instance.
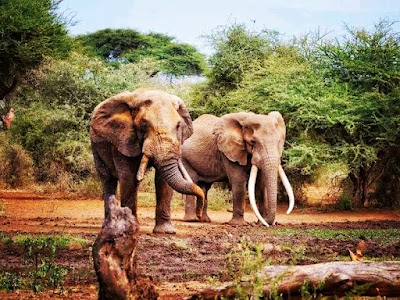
column 233, row 148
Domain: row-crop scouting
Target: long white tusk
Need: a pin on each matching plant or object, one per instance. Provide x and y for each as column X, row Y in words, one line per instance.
column 252, row 184
column 288, row 188
column 142, row 167
column 184, row 172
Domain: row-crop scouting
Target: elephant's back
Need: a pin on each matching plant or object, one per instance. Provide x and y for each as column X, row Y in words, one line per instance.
column 204, row 124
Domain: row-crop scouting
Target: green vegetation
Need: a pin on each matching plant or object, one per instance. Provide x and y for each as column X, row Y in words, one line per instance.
column 39, row 255
column 30, row 30
column 339, row 98
column 244, row 260
column 384, row 235
column 129, row 46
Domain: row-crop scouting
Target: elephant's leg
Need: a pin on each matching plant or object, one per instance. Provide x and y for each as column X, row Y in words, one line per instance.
column 109, row 182
column 237, row 178
column 190, row 209
column 129, row 187
column 126, row 168
column 238, row 191
column 163, row 206
column 109, row 189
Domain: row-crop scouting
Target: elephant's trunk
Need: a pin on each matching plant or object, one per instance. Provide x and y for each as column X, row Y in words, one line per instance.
column 271, row 184
column 170, row 172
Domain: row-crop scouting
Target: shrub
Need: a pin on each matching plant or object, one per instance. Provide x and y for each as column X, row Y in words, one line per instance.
column 57, row 139
column 16, row 169
column 345, row 202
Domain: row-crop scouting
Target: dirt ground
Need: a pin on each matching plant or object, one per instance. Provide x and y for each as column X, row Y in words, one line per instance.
column 194, row 258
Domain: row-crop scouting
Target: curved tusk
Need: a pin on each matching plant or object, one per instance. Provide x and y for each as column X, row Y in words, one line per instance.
column 288, row 188
column 252, row 184
column 142, row 167
column 184, row 171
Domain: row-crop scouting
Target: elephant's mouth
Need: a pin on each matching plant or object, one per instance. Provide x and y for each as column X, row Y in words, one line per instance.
column 175, row 175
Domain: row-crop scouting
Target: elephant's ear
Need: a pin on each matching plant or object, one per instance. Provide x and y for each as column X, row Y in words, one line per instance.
column 230, row 139
column 112, row 121
column 280, row 124
column 186, row 126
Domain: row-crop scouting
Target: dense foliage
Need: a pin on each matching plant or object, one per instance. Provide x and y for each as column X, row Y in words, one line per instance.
column 30, row 30
column 340, row 104
column 127, row 45
column 340, row 99
column 368, row 62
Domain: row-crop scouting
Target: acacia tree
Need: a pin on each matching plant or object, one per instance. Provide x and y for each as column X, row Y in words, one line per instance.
column 368, row 62
column 30, row 31
column 127, row 45
column 237, row 52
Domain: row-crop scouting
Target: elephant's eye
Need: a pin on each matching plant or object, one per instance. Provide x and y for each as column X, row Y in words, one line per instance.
column 143, row 125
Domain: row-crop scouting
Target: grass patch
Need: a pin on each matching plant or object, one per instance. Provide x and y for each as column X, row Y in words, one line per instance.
column 4, row 238
column 386, row 235
column 59, row 241
column 42, row 271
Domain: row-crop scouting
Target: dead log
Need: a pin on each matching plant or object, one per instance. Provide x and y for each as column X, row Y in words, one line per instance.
column 114, row 256
column 327, row 279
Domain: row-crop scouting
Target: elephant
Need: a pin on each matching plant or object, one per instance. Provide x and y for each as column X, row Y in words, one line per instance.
column 234, row 148
column 133, row 131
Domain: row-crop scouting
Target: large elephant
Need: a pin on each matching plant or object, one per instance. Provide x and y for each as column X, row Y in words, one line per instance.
column 233, row 148
column 132, row 131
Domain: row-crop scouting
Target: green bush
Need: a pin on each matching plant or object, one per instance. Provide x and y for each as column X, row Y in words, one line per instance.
column 345, row 202
column 57, row 140
column 40, row 252
column 10, row 281
column 16, row 169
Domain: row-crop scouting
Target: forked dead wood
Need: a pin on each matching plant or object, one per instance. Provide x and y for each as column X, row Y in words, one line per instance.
column 331, row 278
column 115, row 254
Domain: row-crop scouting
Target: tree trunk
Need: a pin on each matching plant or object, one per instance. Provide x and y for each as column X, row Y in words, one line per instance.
column 114, row 256
column 327, row 279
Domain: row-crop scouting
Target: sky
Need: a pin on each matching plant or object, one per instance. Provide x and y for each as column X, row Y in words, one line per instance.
column 192, row 21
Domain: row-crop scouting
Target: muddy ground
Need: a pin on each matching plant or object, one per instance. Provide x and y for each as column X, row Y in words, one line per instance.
column 197, row 256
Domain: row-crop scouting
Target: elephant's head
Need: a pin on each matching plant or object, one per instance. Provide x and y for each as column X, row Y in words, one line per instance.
column 148, row 123
column 249, row 138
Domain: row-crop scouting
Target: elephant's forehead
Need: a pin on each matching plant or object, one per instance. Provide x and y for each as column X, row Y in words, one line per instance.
column 162, row 112
column 264, row 122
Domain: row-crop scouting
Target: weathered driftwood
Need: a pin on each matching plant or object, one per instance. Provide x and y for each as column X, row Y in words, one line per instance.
column 332, row 278
column 114, row 257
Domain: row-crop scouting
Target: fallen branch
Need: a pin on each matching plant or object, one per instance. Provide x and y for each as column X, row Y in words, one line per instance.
column 114, row 257
column 332, row 278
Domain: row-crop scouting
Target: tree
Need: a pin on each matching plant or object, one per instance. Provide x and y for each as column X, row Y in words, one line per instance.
column 127, row 45
column 237, row 51
column 368, row 62
column 30, row 31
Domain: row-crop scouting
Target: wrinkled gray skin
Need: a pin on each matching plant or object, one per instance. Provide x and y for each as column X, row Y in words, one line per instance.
column 224, row 149
column 135, row 130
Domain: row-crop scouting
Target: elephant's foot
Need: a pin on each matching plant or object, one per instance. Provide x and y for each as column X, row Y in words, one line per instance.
column 190, row 218
column 237, row 222
column 258, row 223
column 205, row 218
column 164, row 228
